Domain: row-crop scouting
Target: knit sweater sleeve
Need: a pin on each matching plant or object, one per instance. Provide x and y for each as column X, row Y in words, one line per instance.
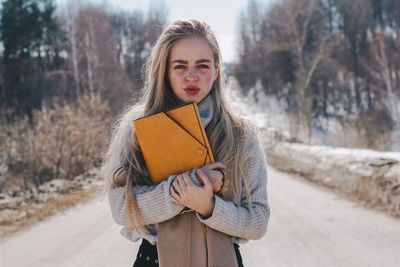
column 238, row 220
column 154, row 201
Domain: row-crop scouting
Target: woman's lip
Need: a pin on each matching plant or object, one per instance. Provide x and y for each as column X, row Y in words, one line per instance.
column 192, row 90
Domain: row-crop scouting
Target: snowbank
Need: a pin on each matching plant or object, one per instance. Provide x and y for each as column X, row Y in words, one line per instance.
column 370, row 176
column 17, row 204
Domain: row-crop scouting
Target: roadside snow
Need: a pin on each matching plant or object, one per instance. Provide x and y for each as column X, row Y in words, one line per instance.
column 370, row 176
column 11, row 202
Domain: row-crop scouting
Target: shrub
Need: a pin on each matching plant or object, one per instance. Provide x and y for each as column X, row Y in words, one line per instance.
column 374, row 128
column 59, row 142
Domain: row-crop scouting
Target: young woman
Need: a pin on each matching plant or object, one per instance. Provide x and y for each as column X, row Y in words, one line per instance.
column 185, row 66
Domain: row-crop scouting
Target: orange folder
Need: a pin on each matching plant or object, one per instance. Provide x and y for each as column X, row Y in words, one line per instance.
column 173, row 142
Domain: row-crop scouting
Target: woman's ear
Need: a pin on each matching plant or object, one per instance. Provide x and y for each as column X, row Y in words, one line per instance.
column 216, row 73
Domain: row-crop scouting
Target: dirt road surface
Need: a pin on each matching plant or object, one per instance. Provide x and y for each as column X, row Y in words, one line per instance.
column 309, row 227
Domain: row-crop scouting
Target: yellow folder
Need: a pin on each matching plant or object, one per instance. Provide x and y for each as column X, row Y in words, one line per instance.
column 173, row 142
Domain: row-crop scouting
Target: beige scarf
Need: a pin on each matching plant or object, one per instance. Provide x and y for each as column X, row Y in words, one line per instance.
column 184, row 241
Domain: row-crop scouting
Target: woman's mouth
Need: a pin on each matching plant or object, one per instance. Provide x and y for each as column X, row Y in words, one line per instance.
column 192, row 90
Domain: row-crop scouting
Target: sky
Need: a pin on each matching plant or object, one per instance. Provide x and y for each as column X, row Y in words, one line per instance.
column 221, row 15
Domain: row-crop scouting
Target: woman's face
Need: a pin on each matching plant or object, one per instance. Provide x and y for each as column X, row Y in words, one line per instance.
column 191, row 69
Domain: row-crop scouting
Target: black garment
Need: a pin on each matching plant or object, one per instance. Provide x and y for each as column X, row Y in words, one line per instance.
column 147, row 255
column 238, row 256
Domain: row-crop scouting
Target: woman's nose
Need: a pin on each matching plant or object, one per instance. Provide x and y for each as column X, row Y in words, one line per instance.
column 191, row 74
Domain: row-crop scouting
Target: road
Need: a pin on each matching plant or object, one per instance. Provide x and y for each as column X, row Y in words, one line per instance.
column 309, row 226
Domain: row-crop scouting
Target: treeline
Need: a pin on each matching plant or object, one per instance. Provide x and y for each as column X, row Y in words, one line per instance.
column 326, row 59
column 64, row 53
column 64, row 73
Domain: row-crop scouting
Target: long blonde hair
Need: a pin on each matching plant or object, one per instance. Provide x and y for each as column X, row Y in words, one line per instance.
column 227, row 132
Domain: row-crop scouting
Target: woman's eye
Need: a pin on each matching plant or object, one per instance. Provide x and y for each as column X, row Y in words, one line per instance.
column 179, row 67
column 203, row 66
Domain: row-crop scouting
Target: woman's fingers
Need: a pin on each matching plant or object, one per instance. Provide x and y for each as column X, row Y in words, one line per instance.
column 176, row 185
column 225, row 189
column 182, row 182
column 186, row 179
column 204, row 178
column 174, row 194
column 216, row 165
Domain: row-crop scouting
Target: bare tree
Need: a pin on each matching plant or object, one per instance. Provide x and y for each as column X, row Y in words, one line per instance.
column 250, row 32
column 381, row 69
column 72, row 12
column 355, row 20
column 96, row 57
column 297, row 28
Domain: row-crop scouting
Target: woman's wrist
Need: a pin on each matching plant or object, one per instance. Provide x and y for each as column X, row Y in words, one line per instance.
column 209, row 210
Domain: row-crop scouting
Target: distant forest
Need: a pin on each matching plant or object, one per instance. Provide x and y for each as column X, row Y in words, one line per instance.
column 330, row 58
column 327, row 59
column 65, row 72
column 65, row 53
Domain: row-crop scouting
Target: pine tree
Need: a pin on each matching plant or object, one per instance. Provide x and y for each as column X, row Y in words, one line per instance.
column 28, row 31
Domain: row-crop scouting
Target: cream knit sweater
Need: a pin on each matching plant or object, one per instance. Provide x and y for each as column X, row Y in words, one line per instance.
column 230, row 217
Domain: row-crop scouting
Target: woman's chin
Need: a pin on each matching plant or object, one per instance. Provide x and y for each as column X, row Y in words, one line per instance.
column 191, row 99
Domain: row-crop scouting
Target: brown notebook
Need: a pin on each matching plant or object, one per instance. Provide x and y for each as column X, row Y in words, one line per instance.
column 173, row 142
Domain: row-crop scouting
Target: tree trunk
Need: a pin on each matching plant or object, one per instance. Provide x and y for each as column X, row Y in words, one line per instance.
column 356, row 74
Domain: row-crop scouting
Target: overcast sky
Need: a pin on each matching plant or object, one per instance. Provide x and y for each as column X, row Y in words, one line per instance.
column 222, row 16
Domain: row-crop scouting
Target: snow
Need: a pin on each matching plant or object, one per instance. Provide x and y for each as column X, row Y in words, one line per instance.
column 369, row 175
column 11, row 202
column 268, row 111
column 269, row 115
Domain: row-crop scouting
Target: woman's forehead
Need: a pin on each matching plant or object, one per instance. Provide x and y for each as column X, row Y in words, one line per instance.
column 191, row 49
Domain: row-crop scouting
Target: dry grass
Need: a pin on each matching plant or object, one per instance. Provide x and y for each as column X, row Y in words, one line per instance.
column 49, row 208
column 60, row 143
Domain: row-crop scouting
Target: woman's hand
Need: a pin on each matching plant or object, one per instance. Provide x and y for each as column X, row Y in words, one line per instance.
column 216, row 177
column 198, row 198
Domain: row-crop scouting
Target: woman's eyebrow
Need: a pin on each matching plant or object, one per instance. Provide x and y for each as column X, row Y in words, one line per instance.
column 203, row 61
column 197, row 61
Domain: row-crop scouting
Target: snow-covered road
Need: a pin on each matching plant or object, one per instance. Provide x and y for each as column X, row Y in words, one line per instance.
column 308, row 227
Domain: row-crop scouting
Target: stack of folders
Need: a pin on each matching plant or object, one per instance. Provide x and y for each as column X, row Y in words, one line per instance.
column 173, row 142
